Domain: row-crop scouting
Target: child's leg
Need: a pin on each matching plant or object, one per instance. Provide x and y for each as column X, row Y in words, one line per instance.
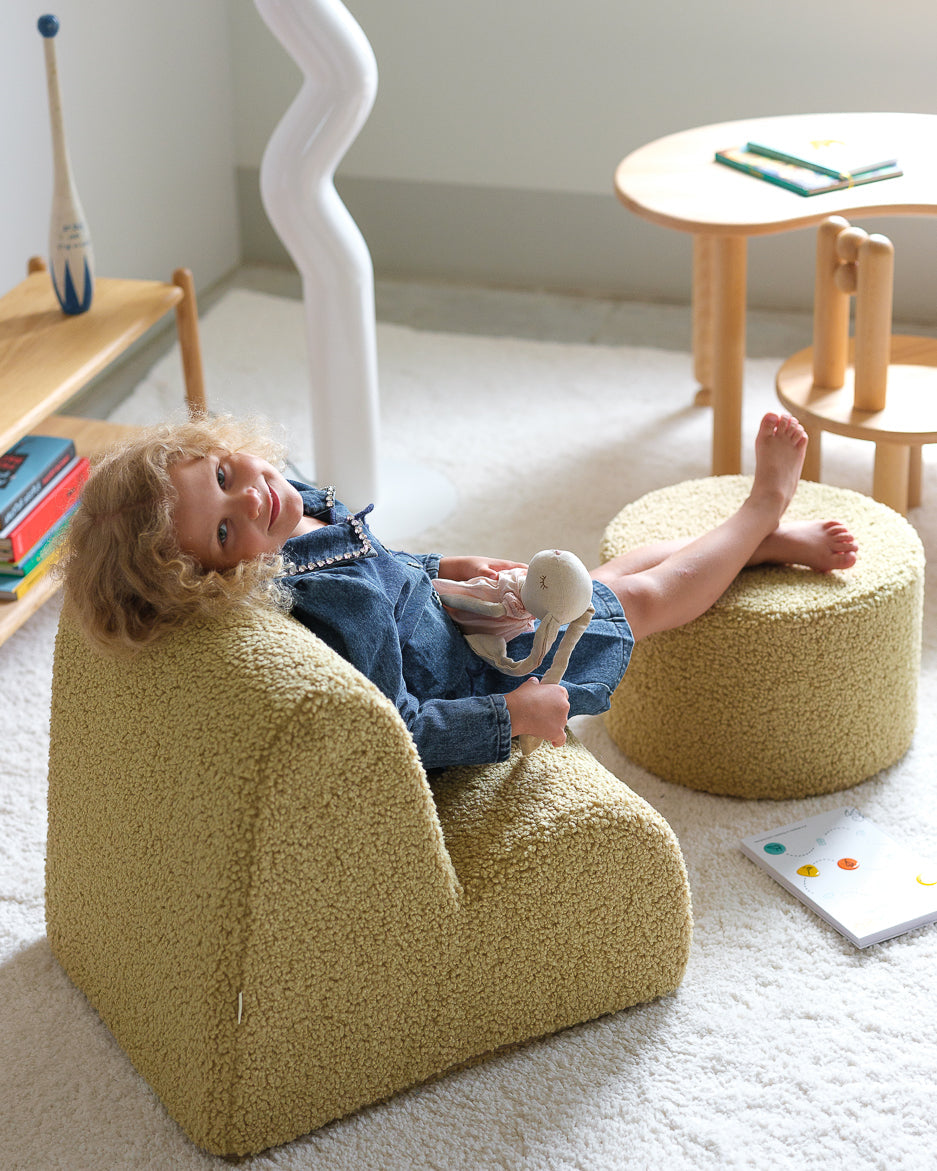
column 818, row 544
column 694, row 575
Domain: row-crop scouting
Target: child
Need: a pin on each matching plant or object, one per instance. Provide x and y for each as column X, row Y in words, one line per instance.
column 189, row 520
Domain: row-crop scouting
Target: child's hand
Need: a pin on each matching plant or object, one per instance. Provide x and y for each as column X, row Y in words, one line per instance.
column 465, row 568
column 539, row 709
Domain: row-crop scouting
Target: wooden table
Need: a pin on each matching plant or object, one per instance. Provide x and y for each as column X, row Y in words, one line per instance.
column 676, row 183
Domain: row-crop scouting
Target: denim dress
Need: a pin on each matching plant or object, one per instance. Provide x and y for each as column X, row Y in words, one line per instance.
column 377, row 608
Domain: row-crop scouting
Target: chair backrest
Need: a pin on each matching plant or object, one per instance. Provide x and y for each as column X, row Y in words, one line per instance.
column 850, row 261
column 238, row 825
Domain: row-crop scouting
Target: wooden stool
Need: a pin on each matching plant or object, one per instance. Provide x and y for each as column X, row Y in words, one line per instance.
column 795, row 682
column 875, row 387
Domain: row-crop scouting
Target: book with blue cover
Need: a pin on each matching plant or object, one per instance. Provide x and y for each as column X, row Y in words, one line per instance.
column 828, row 156
column 56, row 498
column 800, row 179
column 26, row 468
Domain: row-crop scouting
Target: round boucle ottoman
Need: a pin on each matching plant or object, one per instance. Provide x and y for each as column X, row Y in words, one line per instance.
column 795, row 682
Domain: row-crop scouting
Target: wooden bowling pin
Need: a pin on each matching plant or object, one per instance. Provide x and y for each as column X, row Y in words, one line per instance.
column 71, row 261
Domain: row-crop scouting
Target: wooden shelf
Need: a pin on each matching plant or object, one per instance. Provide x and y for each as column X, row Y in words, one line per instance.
column 46, row 357
column 14, row 614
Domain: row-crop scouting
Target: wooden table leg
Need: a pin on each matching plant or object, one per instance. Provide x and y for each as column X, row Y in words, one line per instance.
column 730, row 255
column 703, row 318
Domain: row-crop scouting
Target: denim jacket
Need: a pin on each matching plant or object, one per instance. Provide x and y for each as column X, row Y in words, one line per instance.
column 377, row 608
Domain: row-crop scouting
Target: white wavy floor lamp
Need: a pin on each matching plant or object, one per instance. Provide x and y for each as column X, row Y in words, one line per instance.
column 297, row 186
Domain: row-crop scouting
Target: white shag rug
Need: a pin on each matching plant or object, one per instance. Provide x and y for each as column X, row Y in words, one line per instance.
column 784, row 1047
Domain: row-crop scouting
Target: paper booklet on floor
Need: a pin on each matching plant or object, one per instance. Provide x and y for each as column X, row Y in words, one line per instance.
column 848, row 870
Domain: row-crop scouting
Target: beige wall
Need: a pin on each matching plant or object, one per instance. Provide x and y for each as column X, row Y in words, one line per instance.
column 489, row 153
column 498, row 123
column 148, row 107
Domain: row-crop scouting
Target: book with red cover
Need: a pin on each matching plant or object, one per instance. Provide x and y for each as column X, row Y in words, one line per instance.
column 28, row 528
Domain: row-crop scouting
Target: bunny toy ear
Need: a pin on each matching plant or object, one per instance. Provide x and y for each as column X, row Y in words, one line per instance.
column 557, row 668
column 544, row 638
column 565, row 649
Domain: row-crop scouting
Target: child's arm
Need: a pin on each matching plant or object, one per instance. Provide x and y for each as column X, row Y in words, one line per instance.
column 535, row 708
column 539, row 709
column 464, row 568
column 464, row 730
column 355, row 618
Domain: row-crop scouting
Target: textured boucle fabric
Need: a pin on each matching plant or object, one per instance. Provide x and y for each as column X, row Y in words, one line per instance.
column 249, row 878
column 795, row 683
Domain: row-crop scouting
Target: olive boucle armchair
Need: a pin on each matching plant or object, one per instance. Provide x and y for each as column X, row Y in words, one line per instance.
column 252, row 880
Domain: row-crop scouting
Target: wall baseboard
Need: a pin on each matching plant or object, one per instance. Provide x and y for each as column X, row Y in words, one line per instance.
column 491, row 236
column 573, row 243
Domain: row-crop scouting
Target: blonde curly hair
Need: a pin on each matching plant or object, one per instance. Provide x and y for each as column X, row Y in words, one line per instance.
column 124, row 575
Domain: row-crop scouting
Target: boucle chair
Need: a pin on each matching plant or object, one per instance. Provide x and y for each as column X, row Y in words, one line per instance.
column 253, row 882
column 795, row 683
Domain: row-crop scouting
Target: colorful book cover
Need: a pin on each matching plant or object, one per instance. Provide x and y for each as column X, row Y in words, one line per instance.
column 40, row 550
column 30, row 464
column 851, row 873
column 12, row 588
column 828, row 156
column 56, row 499
column 801, row 180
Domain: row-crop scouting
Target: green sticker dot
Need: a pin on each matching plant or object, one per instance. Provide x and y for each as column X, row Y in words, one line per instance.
column 774, row 848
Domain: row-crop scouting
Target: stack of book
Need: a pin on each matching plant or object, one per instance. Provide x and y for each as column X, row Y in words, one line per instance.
column 811, row 166
column 41, row 478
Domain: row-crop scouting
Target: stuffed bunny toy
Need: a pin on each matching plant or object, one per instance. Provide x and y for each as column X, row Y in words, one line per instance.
column 555, row 588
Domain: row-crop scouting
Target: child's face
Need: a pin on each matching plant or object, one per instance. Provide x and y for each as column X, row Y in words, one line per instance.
column 232, row 507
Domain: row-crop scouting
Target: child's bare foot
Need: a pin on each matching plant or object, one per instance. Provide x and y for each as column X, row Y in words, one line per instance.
column 780, row 447
column 819, row 544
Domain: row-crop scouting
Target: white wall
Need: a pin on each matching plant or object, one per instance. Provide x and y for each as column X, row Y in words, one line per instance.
column 502, row 105
column 148, row 107
column 490, row 151
column 550, row 94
